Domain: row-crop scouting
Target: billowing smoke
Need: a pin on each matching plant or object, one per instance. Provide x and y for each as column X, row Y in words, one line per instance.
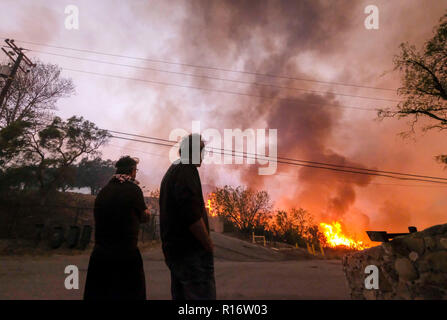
column 306, row 39
column 323, row 40
column 270, row 36
column 306, row 127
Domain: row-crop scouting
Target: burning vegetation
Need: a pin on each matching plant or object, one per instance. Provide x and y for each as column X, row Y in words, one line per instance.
column 211, row 205
column 336, row 238
column 247, row 211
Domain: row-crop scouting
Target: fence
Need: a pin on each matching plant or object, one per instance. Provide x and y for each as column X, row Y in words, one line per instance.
column 57, row 224
column 311, row 249
column 255, row 238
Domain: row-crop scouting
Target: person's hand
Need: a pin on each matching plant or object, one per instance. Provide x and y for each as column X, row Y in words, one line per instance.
column 210, row 246
column 200, row 232
column 146, row 216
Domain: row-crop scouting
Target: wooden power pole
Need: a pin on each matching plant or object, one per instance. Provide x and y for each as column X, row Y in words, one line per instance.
column 20, row 57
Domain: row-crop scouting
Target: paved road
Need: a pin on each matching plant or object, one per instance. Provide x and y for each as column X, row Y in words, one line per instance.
column 242, row 272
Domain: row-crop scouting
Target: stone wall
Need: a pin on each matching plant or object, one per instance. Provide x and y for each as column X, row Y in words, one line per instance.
column 410, row 267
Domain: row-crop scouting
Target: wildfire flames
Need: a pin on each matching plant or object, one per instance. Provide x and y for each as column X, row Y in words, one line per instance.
column 336, row 238
column 210, row 205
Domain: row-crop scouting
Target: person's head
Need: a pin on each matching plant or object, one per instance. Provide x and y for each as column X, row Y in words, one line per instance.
column 127, row 165
column 191, row 149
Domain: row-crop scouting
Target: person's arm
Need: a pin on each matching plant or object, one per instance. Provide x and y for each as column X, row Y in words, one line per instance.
column 190, row 206
column 145, row 216
column 143, row 212
column 198, row 229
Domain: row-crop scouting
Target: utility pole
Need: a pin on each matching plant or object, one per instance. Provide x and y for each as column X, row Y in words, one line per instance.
column 20, row 56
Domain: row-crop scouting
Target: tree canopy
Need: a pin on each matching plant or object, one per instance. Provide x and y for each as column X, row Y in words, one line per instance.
column 60, row 144
column 244, row 207
column 39, row 149
column 424, row 84
column 29, row 101
column 94, row 173
column 34, row 94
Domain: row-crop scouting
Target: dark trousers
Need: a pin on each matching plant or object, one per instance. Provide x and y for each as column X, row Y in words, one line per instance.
column 192, row 277
column 115, row 276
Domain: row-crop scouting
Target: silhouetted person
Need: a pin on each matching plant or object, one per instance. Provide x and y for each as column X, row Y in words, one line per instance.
column 184, row 228
column 115, row 269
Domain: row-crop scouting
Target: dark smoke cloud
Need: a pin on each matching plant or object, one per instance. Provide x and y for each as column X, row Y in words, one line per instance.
column 268, row 36
column 309, row 39
column 392, row 211
column 259, row 35
column 305, row 129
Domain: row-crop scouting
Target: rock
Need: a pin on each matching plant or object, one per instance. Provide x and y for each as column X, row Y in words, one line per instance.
column 389, row 272
column 388, row 295
column 370, row 294
column 376, row 253
column 405, row 269
column 443, row 243
column 428, row 292
column 357, row 295
column 430, row 243
column 402, row 291
column 423, row 266
column 437, row 261
column 415, row 244
column 400, row 247
column 434, row 278
column 387, row 248
column 384, row 283
column 413, row 256
column 411, row 267
column 435, row 230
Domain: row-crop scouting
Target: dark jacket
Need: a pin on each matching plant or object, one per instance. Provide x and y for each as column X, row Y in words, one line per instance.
column 181, row 204
column 115, row 269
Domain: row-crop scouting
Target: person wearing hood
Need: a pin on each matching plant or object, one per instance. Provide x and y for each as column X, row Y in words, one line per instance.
column 115, row 270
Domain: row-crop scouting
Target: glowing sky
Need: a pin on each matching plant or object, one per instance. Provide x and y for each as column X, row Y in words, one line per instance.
column 323, row 40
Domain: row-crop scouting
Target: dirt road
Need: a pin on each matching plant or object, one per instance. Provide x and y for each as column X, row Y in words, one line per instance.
column 243, row 271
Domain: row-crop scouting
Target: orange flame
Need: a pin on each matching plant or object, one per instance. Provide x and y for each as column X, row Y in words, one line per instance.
column 336, row 238
column 211, row 204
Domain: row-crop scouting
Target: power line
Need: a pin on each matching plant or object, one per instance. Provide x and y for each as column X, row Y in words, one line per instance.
column 206, row 67
column 308, row 163
column 218, row 78
column 224, row 91
column 136, row 140
column 121, row 147
column 217, row 90
column 288, row 159
column 295, row 176
column 304, row 165
column 372, row 183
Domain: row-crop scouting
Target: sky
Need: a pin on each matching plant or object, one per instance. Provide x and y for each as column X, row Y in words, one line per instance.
column 318, row 40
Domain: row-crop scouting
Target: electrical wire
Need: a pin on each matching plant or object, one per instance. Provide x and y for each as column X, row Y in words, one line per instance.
column 304, row 165
column 217, row 78
column 203, row 67
column 172, row 143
